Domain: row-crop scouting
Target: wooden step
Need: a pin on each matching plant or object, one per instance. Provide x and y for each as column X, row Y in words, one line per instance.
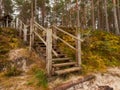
column 60, row 59
column 64, row 64
column 59, row 55
column 64, row 71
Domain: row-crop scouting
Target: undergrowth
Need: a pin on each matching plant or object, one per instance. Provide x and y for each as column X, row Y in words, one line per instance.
column 13, row 71
column 99, row 51
column 39, row 78
column 8, row 41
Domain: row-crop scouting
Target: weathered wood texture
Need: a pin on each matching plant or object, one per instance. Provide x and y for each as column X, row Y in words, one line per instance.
column 68, row 70
column 49, row 51
column 73, row 83
column 60, row 61
column 78, row 42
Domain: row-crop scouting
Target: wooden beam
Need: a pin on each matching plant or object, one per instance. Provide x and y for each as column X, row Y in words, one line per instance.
column 31, row 26
column 69, row 84
column 25, row 33
column 49, row 52
column 30, row 48
column 68, row 70
column 20, row 28
column 64, row 64
column 17, row 20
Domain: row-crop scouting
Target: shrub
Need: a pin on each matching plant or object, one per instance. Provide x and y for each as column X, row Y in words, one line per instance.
column 41, row 78
column 13, row 71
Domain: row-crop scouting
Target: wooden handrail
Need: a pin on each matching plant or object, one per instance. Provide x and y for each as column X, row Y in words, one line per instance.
column 54, row 52
column 64, row 42
column 36, row 26
column 41, row 27
column 40, row 37
column 67, row 33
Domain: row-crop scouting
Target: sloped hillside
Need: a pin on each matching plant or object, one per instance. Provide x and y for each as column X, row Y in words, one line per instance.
column 99, row 51
column 8, row 41
column 18, row 64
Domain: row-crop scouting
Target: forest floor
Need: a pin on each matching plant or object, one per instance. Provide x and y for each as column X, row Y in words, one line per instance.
column 24, row 70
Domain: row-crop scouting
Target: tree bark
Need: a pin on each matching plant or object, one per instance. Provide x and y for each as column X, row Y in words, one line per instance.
column 93, row 15
column 98, row 14
column 43, row 13
column 115, row 18
column 72, row 84
column 118, row 8
column 106, row 17
column 0, row 8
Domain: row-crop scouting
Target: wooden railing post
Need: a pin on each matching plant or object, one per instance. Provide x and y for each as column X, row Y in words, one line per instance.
column 55, row 33
column 78, row 52
column 20, row 28
column 7, row 22
column 31, row 33
column 31, row 27
column 49, row 52
column 16, row 25
column 25, row 33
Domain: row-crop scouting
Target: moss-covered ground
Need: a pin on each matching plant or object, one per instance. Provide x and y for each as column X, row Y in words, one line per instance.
column 8, row 41
column 99, row 51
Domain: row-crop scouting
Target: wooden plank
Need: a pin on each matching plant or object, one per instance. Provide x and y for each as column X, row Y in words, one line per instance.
column 72, row 83
column 64, row 71
column 60, row 59
column 78, row 52
column 17, row 20
column 25, row 33
column 31, row 31
column 64, row 64
column 20, row 28
column 49, row 52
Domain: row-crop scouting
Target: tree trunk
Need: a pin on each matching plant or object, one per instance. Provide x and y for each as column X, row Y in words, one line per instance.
column 115, row 18
column 43, row 13
column 93, row 15
column 99, row 14
column 0, row 8
column 106, row 17
column 118, row 6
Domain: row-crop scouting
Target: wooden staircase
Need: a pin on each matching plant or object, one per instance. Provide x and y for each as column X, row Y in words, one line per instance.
column 57, row 62
column 61, row 64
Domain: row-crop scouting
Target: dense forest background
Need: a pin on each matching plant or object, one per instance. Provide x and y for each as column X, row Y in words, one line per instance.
column 90, row 14
column 96, row 22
